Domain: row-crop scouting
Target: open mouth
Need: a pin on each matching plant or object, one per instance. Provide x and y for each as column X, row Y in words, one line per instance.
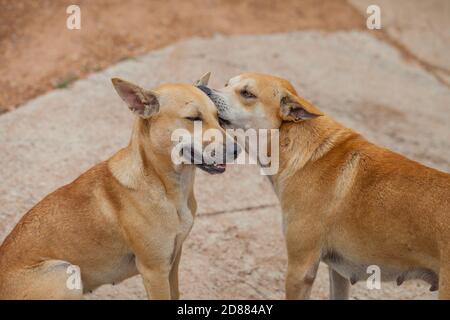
column 212, row 168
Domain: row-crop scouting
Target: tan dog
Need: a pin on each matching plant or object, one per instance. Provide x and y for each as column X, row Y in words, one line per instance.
column 345, row 201
column 127, row 215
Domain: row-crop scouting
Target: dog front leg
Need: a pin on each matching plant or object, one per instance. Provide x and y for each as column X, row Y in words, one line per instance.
column 303, row 249
column 173, row 277
column 300, row 278
column 156, row 281
column 339, row 286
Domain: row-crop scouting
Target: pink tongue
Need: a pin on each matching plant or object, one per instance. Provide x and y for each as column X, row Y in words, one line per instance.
column 221, row 165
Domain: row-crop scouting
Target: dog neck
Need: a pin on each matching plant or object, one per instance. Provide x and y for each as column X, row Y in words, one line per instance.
column 138, row 167
column 305, row 142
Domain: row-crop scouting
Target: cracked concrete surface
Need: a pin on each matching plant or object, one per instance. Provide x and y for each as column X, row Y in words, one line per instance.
column 419, row 28
column 235, row 249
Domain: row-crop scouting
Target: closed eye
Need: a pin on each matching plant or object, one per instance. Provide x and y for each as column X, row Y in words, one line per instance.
column 247, row 94
column 196, row 118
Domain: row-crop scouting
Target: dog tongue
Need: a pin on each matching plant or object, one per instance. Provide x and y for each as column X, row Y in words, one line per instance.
column 221, row 165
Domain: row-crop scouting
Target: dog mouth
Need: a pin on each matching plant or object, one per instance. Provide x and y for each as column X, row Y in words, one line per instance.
column 224, row 122
column 191, row 155
column 214, row 168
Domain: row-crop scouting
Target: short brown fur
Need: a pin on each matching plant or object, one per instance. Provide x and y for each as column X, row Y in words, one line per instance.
column 127, row 215
column 345, row 201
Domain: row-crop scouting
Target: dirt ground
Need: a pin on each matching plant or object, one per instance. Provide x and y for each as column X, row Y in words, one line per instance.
column 39, row 53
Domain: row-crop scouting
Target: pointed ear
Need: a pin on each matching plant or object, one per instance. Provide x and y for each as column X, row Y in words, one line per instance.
column 203, row 81
column 294, row 108
column 142, row 102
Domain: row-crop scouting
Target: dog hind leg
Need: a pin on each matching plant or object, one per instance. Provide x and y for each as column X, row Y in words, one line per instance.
column 48, row 280
column 339, row 286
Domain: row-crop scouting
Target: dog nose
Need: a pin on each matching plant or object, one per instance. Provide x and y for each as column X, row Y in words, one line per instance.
column 206, row 90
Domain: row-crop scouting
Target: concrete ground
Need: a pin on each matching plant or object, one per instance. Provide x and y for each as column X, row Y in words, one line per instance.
column 235, row 249
column 419, row 28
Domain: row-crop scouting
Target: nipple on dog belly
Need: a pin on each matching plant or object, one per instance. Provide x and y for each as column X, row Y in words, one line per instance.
column 355, row 272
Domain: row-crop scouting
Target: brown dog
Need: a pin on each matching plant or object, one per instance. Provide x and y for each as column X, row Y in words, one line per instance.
column 345, row 201
column 127, row 215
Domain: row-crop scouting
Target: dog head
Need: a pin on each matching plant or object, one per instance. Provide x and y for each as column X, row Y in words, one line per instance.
column 259, row 101
column 174, row 111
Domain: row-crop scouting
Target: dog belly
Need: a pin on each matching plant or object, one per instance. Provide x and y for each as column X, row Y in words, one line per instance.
column 115, row 271
column 355, row 272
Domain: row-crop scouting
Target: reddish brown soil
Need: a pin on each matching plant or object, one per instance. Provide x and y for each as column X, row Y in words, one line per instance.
column 39, row 53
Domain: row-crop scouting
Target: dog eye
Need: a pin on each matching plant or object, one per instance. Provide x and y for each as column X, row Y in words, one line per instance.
column 247, row 94
column 197, row 118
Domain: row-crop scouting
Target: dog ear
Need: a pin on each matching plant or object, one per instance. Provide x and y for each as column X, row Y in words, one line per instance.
column 203, row 81
column 142, row 102
column 294, row 108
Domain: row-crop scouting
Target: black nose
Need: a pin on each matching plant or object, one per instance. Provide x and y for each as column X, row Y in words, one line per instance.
column 205, row 89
